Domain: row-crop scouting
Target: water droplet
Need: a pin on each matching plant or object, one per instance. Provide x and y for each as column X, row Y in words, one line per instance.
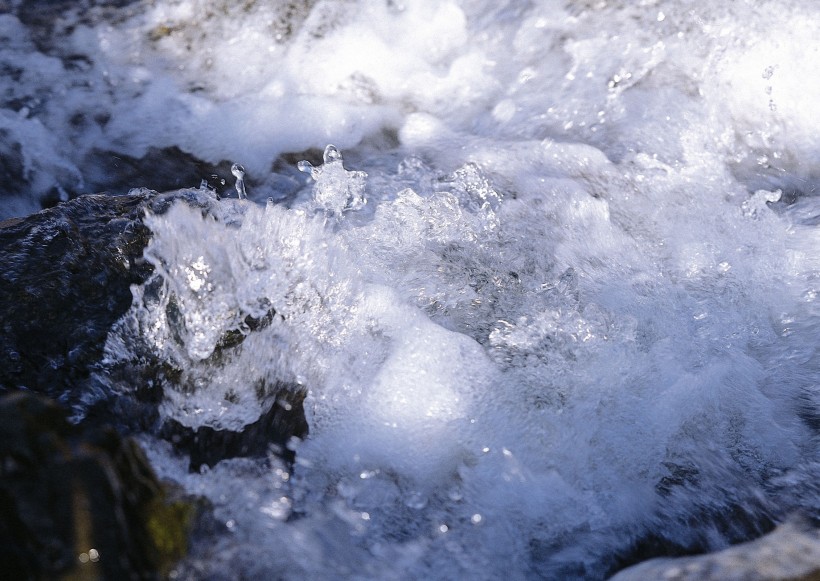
column 332, row 154
column 239, row 173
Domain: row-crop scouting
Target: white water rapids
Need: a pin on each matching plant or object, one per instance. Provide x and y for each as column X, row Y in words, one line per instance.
column 554, row 293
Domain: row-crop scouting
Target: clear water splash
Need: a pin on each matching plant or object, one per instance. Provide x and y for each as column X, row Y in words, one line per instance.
column 649, row 337
column 336, row 190
column 239, row 173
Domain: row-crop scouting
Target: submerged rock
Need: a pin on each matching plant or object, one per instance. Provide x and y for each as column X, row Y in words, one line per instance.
column 80, row 502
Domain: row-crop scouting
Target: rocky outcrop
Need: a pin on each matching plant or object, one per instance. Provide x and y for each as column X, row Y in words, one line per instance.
column 789, row 553
column 65, row 280
column 207, row 446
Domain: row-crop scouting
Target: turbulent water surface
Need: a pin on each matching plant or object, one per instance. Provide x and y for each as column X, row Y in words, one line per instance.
column 551, row 294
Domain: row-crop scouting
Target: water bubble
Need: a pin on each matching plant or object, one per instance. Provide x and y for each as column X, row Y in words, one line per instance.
column 455, row 494
column 415, row 500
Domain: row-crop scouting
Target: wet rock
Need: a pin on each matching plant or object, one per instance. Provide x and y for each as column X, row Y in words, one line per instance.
column 272, row 431
column 282, row 414
column 687, row 529
column 790, row 552
column 66, row 278
column 160, row 169
column 81, row 503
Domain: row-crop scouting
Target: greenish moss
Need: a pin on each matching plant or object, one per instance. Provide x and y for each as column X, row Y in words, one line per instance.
column 168, row 525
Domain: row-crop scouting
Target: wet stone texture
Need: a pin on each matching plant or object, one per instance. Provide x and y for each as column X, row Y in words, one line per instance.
column 206, row 446
column 82, row 503
column 791, row 552
column 66, row 279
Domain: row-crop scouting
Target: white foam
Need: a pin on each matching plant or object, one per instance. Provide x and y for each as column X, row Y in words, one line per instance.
column 577, row 299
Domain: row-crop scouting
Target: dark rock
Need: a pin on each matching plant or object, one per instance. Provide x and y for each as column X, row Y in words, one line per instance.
column 81, row 502
column 67, row 275
column 162, row 170
column 683, row 528
column 66, row 279
column 146, row 378
column 272, row 431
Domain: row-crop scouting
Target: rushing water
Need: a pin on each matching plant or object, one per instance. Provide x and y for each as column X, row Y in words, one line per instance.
column 552, row 296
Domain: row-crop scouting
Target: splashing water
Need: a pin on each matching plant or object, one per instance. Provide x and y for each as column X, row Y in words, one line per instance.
column 239, row 173
column 558, row 313
column 336, row 190
column 473, row 369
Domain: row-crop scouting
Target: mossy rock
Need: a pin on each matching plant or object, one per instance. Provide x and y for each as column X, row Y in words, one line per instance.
column 82, row 504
